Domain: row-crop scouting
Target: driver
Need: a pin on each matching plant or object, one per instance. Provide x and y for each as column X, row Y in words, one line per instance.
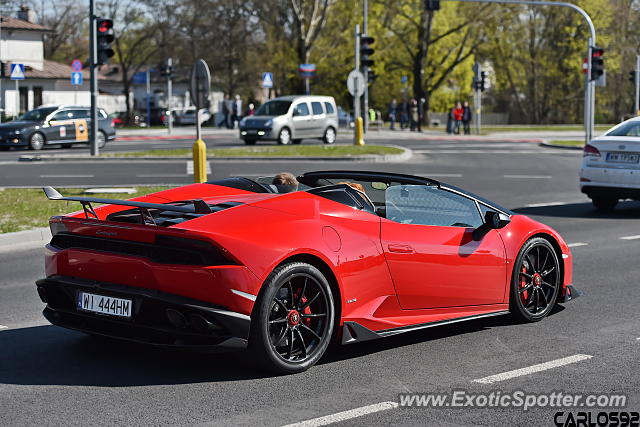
column 285, row 182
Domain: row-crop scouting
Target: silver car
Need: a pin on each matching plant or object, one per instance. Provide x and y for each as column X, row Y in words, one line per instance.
column 290, row 119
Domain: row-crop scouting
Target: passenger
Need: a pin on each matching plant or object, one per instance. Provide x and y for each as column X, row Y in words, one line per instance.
column 285, row 182
column 354, row 185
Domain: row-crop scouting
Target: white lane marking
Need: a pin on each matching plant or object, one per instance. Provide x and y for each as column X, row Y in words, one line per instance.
column 445, row 175
column 160, row 175
column 346, row 415
column 577, row 244
column 3, row 327
column 540, row 205
column 630, row 237
column 486, row 152
column 67, row 176
column 528, row 176
column 190, row 167
column 533, row 369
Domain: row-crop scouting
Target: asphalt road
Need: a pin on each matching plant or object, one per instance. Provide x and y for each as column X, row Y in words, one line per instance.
column 52, row 376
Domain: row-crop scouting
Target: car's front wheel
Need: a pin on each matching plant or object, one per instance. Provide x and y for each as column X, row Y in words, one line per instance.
column 36, row 141
column 329, row 135
column 284, row 137
column 536, row 281
column 293, row 319
column 102, row 139
column 605, row 204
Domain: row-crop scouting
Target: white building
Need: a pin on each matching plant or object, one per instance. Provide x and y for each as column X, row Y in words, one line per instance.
column 46, row 82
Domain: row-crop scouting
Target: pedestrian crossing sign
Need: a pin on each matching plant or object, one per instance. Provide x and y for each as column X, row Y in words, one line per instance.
column 17, row 72
column 267, row 80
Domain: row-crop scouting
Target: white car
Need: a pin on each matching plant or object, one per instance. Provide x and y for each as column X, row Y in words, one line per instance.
column 188, row 116
column 611, row 166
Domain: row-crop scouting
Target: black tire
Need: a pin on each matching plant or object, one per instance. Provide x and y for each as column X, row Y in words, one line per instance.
column 292, row 321
column 284, row 136
column 296, row 141
column 250, row 142
column 330, row 135
column 37, row 141
column 604, row 204
column 102, row 139
column 4, row 148
column 536, row 281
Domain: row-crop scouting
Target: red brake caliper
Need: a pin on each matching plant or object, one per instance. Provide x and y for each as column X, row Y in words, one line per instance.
column 523, row 282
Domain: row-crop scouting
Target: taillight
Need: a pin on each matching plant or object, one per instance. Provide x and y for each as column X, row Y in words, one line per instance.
column 56, row 226
column 590, row 151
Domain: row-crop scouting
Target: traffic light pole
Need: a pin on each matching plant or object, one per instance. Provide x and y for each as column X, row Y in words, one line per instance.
column 365, row 70
column 637, row 81
column 589, row 90
column 169, row 91
column 93, row 84
column 356, row 97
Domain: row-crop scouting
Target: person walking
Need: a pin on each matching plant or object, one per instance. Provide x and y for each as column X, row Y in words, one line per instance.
column 450, row 121
column 393, row 110
column 458, row 112
column 413, row 114
column 466, row 118
column 237, row 111
column 225, row 111
column 404, row 114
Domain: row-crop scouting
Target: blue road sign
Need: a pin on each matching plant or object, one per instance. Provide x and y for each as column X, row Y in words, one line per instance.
column 76, row 65
column 267, row 80
column 404, row 79
column 17, row 71
column 76, row 78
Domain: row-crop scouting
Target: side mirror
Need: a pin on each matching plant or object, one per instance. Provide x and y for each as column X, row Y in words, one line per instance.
column 492, row 221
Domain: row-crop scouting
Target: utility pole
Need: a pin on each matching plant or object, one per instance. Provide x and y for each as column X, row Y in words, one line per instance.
column 93, row 81
column 148, row 98
column 2, row 65
column 366, row 69
column 169, row 92
column 356, row 99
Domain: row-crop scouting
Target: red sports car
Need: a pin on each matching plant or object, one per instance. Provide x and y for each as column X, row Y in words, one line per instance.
column 284, row 269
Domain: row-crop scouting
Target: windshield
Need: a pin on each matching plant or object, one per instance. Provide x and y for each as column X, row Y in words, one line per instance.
column 36, row 115
column 274, row 108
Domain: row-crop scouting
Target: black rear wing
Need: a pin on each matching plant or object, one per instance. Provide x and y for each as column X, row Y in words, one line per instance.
column 198, row 206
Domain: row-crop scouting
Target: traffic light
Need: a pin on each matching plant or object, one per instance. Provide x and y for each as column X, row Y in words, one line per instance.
column 166, row 70
column 632, row 76
column 366, row 51
column 104, row 38
column 480, row 84
column 432, row 5
column 597, row 62
column 371, row 77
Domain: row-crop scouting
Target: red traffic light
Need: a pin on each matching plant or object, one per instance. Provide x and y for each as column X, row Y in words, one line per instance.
column 104, row 25
column 597, row 52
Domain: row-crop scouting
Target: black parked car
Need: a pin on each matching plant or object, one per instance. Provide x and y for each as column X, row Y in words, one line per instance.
column 59, row 125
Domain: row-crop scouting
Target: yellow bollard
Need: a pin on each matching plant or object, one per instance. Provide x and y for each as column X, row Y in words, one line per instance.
column 359, row 132
column 199, row 161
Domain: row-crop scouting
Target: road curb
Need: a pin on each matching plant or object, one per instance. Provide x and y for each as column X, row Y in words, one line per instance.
column 560, row 147
column 406, row 154
column 27, row 236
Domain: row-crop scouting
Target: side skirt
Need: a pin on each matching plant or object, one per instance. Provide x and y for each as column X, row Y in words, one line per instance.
column 353, row 332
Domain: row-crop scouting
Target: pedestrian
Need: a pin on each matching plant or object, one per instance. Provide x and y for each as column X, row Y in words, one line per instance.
column 413, row 114
column 393, row 110
column 236, row 108
column 251, row 110
column 450, row 121
column 404, row 115
column 458, row 112
column 225, row 111
column 466, row 118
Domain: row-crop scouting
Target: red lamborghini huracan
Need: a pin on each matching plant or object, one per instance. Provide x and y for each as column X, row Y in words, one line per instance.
column 284, row 269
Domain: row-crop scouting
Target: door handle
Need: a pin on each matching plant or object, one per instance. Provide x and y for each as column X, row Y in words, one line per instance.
column 400, row 249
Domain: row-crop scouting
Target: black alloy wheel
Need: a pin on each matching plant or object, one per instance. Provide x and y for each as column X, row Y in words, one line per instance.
column 293, row 320
column 536, row 280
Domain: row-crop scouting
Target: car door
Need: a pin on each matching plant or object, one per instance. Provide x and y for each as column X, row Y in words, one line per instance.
column 60, row 127
column 302, row 120
column 319, row 119
column 81, row 124
column 433, row 259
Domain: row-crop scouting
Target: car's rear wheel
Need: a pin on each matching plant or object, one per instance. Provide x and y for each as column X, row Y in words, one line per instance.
column 284, row 137
column 329, row 135
column 293, row 319
column 102, row 139
column 536, row 280
column 250, row 142
column 36, row 141
column 605, row 204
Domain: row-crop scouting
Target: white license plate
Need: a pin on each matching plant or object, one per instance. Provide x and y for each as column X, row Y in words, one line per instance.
column 623, row 157
column 104, row 305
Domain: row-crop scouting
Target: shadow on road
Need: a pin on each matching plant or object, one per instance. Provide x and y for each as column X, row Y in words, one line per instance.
column 624, row 210
column 49, row 355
